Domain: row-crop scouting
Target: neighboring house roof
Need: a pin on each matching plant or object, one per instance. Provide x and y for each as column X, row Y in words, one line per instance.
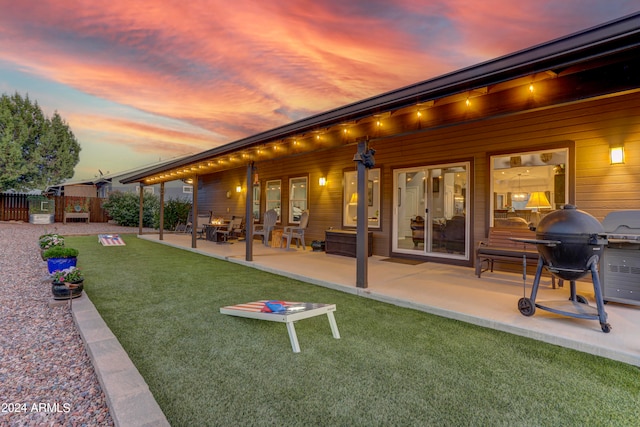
column 555, row 56
column 111, row 177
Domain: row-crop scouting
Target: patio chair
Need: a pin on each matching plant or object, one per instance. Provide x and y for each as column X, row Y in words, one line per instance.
column 202, row 220
column 297, row 231
column 225, row 234
column 264, row 229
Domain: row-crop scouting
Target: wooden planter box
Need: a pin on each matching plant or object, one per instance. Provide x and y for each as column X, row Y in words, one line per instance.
column 343, row 242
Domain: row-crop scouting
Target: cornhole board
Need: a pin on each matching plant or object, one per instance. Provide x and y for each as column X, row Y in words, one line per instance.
column 294, row 311
column 110, row 240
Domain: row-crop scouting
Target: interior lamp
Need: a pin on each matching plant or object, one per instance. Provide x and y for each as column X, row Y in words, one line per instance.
column 617, row 154
column 538, row 200
column 354, row 199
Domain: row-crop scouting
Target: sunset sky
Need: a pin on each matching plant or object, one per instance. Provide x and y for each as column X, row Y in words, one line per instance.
column 143, row 80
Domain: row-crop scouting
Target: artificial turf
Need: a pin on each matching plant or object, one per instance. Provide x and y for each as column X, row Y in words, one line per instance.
column 392, row 366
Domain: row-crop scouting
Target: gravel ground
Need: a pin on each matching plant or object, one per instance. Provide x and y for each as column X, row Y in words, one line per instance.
column 46, row 376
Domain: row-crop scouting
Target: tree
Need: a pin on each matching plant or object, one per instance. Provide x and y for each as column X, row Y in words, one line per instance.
column 35, row 151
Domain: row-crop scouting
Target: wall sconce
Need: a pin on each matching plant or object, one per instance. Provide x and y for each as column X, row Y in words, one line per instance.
column 322, row 181
column 238, row 189
column 616, row 154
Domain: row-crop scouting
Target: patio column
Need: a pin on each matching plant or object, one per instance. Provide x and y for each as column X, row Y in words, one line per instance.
column 194, row 212
column 364, row 160
column 162, row 211
column 248, row 222
column 141, row 209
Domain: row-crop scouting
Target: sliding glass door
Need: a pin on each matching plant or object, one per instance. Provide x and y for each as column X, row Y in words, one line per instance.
column 430, row 211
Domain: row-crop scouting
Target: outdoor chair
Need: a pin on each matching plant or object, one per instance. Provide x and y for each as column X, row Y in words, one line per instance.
column 297, row 231
column 202, row 220
column 264, row 229
column 225, row 234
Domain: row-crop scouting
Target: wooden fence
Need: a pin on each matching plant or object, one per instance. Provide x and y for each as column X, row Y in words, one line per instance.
column 15, row 207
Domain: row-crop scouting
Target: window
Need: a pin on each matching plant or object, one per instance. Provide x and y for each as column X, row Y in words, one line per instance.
column 273, row 198
column 528, row 185
column 350, row 198
column 297, row 198
column 256, row 202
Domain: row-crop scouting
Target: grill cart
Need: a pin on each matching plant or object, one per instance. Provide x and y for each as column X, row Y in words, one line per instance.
column 569, row 242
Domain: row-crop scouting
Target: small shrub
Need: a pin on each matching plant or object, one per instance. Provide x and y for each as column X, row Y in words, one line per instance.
column 60, row 252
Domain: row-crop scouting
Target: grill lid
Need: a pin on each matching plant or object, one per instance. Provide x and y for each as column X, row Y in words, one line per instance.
column 624, row 225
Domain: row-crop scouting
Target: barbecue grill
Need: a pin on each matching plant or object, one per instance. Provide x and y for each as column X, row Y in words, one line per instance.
column 620, row 263
column 569, row 242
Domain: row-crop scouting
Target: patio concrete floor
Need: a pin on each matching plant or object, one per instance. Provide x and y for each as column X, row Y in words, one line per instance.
column 449, row 291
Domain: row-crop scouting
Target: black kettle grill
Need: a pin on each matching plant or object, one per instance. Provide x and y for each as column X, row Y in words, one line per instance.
column 570, row 244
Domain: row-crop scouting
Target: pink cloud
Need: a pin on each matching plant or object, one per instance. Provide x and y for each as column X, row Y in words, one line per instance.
column 236, row 68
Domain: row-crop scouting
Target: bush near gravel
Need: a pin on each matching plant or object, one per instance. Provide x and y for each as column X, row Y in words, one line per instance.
column 124, row 208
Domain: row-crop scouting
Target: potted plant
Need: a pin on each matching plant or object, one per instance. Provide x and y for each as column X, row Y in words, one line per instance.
column 49, row 240
column 60, row 257
column 67, row 283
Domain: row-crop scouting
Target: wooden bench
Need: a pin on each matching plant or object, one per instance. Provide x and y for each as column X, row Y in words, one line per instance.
column 501, row 247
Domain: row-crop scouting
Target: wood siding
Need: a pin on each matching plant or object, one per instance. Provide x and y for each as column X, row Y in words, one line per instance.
column 590, row 126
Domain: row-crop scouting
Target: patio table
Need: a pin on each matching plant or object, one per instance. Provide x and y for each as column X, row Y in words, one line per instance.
column 294, row 311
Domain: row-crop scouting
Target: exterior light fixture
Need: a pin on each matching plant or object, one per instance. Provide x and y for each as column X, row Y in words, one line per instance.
column 238, row 189
column 322, row 181
column 531, row 88
column 616, row 153
column 467, row 102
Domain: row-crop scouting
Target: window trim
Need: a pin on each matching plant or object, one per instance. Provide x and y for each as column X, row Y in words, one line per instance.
column 570, row 171
column 290, row 218
column 373, row 205
column 268, row 201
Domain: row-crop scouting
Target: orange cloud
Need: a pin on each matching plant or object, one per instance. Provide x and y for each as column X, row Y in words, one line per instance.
column 231, row 69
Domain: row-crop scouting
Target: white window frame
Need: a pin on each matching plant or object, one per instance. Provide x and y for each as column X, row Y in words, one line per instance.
column 273, row 187
column 298, row 202
column 524, row 161
column 373, row 198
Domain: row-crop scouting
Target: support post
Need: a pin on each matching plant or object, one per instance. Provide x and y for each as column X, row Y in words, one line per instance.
column 248, row 222
column 362, row 228
column 141, row 210
column 161, row 211
column 194, row 213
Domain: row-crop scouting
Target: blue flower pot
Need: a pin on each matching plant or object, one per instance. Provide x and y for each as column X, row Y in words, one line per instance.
column 54, row 264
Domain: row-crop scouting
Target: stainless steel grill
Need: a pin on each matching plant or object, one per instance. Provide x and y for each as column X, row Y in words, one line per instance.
column 620, row 261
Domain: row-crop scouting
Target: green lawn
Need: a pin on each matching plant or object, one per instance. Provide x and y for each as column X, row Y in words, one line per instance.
column 393, row 366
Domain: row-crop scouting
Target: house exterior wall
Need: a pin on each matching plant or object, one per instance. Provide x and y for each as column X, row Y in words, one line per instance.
column 586, row 127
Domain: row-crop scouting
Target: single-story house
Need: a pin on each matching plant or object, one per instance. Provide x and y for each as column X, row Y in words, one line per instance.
column 104, row 184
column 520, row 135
